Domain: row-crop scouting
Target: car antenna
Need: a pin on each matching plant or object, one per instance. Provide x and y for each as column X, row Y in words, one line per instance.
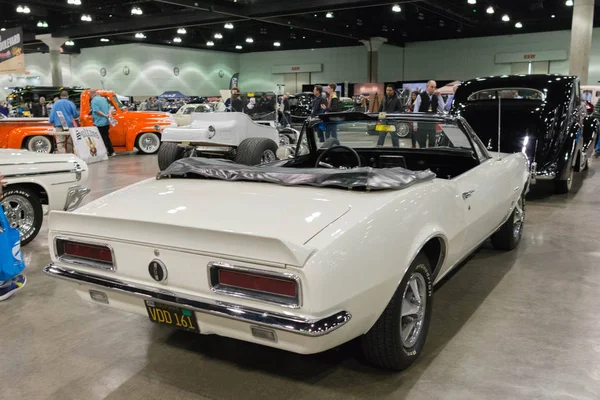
column 499, row 123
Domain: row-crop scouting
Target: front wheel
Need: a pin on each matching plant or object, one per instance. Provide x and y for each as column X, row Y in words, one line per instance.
column 509, row 235
column 39, row 144
column 148, row 143
column 24, row 211
column 562, row 186
column 398, row 337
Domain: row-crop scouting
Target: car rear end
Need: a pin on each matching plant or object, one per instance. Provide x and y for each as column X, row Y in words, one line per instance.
column 227, row 281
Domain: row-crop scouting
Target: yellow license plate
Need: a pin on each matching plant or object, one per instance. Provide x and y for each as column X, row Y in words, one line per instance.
column 385, row 128
column 176, row 317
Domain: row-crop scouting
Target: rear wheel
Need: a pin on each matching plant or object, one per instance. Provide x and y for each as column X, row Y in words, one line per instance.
column 509, row 235
column 397, row 338
column 148, row 143
column 39, row 144
column 255, row 151
column 168, row 154
column 24, row 211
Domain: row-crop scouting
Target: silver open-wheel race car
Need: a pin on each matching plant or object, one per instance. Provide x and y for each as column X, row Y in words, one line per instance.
column 234, row 136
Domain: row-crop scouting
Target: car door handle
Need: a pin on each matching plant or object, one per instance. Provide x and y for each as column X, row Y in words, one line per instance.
column 468, row 194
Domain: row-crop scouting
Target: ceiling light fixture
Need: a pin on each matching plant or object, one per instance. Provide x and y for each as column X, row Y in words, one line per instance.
column 505, row 18
column 177, row 39
column 23, row 9
column 472, row 1
column 277, row 44
column 518, row 25
column 569, row 3
column 86, row 18
column 329, row 15
column 490, row 10
column 553, row 16
column 136, row 11
column 218, row 36
column 2, row 29
column 74, row 2
column 396, row 8
column 249, row 40
column 140, row 36
column 104, row 40
column 229, row 25
column 210, row 43
column 69, row 43
column 238, row 47
column 42, row 24
column 181, row 31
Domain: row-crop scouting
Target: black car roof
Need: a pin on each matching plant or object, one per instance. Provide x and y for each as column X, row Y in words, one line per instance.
column 540, row 81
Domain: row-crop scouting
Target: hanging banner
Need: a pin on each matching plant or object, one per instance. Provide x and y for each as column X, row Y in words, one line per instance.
column 235, row 81
column 12, row 59
column 88, row 144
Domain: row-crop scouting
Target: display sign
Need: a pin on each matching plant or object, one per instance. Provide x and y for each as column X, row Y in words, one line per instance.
column 235, row 81
column 552, row 55
column 12, row 59
column 288, row 69
column 88, row 144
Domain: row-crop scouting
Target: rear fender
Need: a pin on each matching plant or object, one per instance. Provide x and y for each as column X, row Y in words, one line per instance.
column 17, row 136
column 567, row 156
column 591, row 126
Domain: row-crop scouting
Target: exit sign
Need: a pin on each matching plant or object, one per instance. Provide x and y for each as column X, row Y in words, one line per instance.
column 529, row 56
column 295, row 68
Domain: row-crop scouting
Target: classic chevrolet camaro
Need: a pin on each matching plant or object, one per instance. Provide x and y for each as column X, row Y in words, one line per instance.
column 37, row 179
column 343, row 240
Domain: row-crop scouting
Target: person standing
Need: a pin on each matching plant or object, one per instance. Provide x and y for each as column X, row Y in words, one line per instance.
column 391, row 104
column 318, row 107
column 65, row 108
column 285, row 109
column 332, row 106
column 100, row 114
column 430, row 102
column 450, row 98
column 4, row 109
column 40, row 110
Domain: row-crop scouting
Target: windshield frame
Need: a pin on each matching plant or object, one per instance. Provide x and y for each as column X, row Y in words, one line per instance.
column 308, row 128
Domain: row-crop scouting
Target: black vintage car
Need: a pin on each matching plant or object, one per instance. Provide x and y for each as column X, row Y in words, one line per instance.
column 542, row 116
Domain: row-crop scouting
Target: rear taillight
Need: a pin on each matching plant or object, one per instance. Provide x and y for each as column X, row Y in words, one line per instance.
column 83, row 253
column 282, row 289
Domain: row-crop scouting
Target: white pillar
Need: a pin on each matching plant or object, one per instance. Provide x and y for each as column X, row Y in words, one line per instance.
column 54, row 45
column 581, row 39
column 373, row 45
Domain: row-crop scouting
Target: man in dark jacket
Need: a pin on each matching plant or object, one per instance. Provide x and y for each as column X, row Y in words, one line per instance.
column 318, row 107
column 332, row 106
column 40, row 110
column 391, row 103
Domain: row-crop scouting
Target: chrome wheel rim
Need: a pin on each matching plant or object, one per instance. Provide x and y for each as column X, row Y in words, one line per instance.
column 40, row 145
column 518, row 218
column 149, row 142
column 412, row 310
column 20, row 214
column 403, row 130
column 267, row 157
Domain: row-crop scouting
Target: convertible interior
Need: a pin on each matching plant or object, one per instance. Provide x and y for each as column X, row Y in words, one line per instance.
column 446, row 163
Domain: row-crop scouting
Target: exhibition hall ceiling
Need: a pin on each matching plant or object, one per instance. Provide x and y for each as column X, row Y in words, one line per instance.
column 262, row 25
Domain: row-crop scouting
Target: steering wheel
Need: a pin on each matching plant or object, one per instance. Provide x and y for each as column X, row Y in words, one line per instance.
column 322, row 164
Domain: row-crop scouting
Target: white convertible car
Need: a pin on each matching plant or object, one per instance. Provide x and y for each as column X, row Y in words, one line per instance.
column 37, row 179
column 307, row 253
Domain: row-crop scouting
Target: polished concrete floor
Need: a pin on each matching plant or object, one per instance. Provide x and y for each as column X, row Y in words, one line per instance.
column 518, row 325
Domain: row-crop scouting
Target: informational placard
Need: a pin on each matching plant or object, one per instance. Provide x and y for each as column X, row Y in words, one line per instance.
column 12, row 58
column 88, row 144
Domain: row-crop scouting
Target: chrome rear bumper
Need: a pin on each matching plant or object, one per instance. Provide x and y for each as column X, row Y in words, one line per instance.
column 297, row 325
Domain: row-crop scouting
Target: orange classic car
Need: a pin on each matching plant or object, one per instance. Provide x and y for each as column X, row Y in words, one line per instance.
column 129, row 130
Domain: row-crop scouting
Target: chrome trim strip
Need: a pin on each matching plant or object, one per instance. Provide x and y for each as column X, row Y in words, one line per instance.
column 84, row 263
column 75, row 196
column 293, row 324
column 70, row 171
column 255, row 295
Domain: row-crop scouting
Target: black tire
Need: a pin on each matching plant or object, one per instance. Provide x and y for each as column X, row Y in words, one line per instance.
column 562, row 186
column 168, row 153
column 330, row 142
column 47, row 142
column 382, row 345
column 255, row 151
column 11, row 197
column 509, row 235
